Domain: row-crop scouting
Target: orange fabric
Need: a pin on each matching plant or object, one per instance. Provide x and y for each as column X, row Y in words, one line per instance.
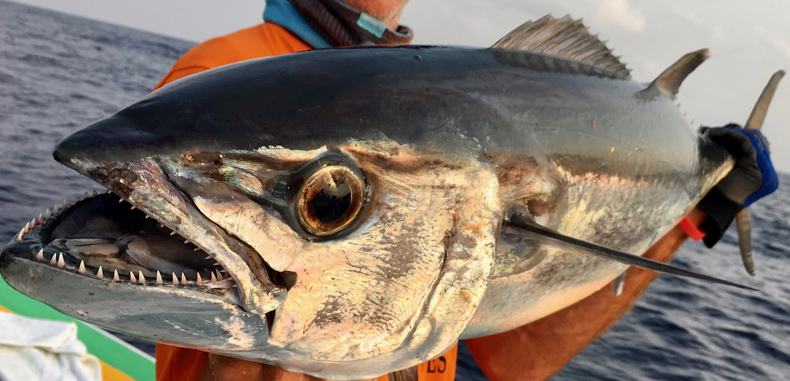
column 540, row 349
column 441, row 368
column 182, row 364
column 176, row 364
column 262, row 40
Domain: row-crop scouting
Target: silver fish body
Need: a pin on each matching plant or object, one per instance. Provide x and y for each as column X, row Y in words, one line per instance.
column 446, row 142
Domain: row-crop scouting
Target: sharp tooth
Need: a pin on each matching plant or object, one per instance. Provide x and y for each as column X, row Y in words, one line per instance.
column 142, row 278
column 65, row 203
column 47, row 214
column 33, row 223
column 20, row 236
column 161, row 225
column 54, row 259
column 213, row 277
column 40, row 219
column 109, row 191
column 173, row 232
column 27, row 227
column 115, row 276
column 82, row 267
column 94, row 193
column 85, row 195
column 175, row 279
column 55, row 210
column 208, row 257
column 146, row 217
column 132, row 277
column 184, row 279
column 132, row 207
column 217, row 264
column 121, row 200
column 61, row 262
column 40, row 255
column 159, row 278
column 100, row 273
column 196, row 248
column 186, row 241
column 199, row 281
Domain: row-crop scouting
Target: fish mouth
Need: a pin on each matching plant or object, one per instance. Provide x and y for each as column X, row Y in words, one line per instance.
column 100, row 236
column 114, row 239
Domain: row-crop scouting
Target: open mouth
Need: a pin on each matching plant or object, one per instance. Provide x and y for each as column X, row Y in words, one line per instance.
column 102, row 236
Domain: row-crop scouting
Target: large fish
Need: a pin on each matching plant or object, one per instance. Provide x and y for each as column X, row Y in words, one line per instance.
column 351, row 212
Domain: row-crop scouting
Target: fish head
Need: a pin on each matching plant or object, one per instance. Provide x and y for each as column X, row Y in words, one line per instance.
column 341, row 242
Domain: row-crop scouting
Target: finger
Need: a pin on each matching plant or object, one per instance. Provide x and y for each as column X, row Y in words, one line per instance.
column 756, row 139
column 735, row 140
column 765, row 144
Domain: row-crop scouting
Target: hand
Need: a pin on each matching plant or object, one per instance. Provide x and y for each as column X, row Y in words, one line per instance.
column 753, row 177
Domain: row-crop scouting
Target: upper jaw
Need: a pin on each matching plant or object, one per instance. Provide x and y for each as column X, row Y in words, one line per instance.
column 147, row 187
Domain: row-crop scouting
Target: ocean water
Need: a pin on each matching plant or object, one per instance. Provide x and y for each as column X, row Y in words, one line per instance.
column 60, row 72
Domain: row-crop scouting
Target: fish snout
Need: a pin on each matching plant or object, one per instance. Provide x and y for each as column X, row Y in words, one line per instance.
column 115, row 139
column 69, row 150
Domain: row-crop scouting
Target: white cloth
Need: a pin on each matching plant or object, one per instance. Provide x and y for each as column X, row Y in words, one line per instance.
column 35, row 349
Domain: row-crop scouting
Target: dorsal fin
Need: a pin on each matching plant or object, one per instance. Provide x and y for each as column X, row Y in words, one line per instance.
column 566, row 38
column 668, row 82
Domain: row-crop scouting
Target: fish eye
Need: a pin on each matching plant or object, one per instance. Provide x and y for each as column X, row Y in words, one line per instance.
column 329, row 200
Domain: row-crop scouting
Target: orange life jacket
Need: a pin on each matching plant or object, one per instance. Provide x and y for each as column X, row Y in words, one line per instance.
column 263, row 40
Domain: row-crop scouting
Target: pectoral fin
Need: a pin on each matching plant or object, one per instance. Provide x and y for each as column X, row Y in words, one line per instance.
column 523, row 222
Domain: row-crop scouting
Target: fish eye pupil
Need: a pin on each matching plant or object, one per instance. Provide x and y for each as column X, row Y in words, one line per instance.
column 329, row 200
column 332, row 202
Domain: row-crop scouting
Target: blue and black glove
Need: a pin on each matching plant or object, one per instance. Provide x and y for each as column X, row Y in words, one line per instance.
column 752, row 178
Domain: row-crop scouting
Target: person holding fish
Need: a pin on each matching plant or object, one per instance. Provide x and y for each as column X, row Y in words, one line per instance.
column 298, row 25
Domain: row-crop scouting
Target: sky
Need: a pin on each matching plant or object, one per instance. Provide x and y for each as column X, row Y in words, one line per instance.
column 750, row 40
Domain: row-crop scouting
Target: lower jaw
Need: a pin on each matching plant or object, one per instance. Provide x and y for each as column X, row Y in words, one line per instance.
column 54, row 239
column 188, row 315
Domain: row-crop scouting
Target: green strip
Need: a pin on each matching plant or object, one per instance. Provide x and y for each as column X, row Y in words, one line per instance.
column 108, row 350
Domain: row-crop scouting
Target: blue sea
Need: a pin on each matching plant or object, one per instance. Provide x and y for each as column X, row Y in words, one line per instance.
column 60, row 72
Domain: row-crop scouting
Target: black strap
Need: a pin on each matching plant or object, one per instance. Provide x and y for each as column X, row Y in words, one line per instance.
column 721, row 211
column 339, row 24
